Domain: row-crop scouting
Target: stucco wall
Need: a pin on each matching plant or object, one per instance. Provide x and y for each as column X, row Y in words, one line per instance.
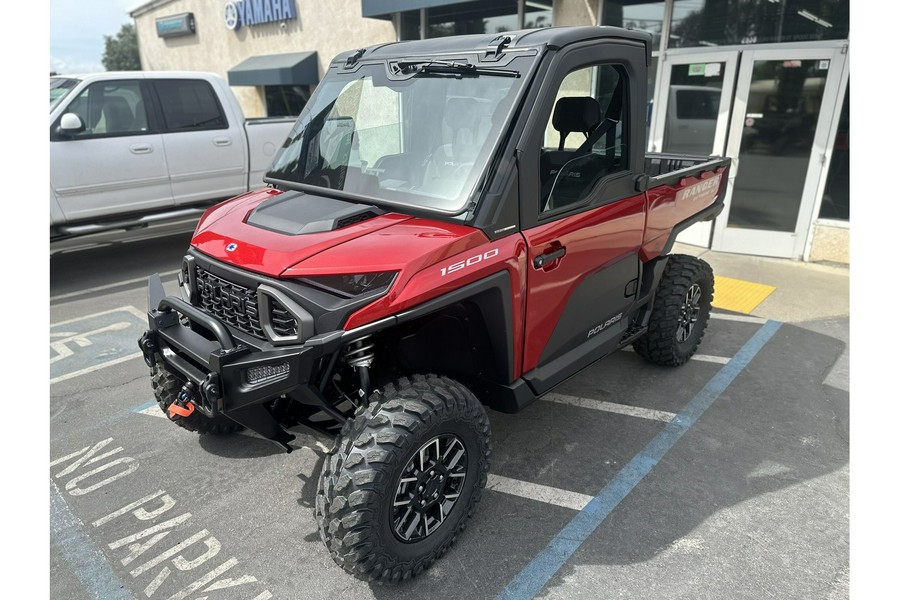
column 830, row 244
column 325, row 27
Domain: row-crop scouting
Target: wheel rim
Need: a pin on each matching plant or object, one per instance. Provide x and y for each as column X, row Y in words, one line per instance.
column 689, row 313
column 429, row 488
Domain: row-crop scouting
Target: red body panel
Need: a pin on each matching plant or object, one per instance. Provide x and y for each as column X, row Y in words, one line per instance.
column 668, row 206
column 426, row 250
column 593, row 240
column 268, row 252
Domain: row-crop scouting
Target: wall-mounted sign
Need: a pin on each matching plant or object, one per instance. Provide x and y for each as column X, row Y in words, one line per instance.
column 175, row 25
column 258, row 12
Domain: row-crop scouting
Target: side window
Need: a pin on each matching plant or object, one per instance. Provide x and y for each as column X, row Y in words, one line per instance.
column 189, row 105
column 585, row 139
column 111, row 108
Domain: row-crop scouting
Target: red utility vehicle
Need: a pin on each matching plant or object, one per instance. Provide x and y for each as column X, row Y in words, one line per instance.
column 452, row 223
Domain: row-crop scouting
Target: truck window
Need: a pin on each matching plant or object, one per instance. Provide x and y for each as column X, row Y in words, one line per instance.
column 585, row 139
column 111, row 108
column 189, row 105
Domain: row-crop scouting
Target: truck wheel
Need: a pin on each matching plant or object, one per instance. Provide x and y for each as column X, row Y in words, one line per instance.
column 680, row 312
column 167, row 386
column 403, row 478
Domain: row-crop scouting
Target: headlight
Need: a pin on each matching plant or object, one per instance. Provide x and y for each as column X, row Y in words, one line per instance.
column 350, row 286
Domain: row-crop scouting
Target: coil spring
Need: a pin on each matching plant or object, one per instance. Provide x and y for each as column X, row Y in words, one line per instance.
column 360, row 354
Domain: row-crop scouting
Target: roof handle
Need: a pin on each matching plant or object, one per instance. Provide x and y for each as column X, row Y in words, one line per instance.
column 351, row 60
column 496, row 46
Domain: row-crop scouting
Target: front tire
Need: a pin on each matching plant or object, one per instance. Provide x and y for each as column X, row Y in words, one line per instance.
column 680, row 312
column 403, row 478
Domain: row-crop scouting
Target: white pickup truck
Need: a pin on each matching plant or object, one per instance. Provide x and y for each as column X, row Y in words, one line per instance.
column 132, row 148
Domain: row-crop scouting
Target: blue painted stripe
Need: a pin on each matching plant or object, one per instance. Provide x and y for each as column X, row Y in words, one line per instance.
column 535, row 575
column 144, row 406
column 85, row 558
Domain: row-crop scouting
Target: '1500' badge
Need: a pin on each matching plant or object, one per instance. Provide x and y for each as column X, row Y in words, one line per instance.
column 231, row 247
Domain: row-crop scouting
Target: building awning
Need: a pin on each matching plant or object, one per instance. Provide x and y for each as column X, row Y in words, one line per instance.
column 382, row 9
column 299, row 68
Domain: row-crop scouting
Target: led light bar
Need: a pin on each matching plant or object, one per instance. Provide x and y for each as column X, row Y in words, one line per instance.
column 267, row 372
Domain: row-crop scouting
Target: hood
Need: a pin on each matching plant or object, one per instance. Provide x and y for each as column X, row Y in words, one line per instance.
column 269, row 231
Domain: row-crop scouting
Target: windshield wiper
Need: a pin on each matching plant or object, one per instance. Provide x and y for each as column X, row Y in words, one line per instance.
column 421, row 67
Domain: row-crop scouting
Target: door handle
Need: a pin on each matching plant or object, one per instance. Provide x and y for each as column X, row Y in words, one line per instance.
column 542, row 260
column 141, row 149
column 222, row 141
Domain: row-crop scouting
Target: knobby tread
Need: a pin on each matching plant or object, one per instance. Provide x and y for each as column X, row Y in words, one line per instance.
column 357, row 474
column 659, row 345
column 166, row 387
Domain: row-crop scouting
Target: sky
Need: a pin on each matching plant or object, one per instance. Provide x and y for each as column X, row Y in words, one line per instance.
column 77, row 28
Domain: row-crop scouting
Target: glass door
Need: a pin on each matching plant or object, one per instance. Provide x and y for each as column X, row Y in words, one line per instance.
column 692, row 112
column 784, row 104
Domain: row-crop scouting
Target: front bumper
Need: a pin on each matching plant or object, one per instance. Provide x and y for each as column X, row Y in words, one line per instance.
column 232, row 375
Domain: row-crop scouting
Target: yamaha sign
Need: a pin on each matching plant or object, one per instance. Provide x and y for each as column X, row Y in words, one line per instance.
column 258, row 12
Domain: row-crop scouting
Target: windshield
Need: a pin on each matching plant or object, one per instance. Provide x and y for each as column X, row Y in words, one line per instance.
column 59, row 89
column 423, row 141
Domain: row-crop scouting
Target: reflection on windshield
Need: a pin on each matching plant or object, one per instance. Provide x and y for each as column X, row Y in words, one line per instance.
column 424, row 141
column 59, row 89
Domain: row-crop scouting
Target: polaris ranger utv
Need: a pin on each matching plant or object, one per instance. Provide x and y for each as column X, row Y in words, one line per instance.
column 452, row 223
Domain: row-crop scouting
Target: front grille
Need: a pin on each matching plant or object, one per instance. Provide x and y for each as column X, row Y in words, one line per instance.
column 229, row 302
column 237, row 306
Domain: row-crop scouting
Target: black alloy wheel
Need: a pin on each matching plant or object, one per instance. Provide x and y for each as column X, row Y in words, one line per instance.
column 429, row 488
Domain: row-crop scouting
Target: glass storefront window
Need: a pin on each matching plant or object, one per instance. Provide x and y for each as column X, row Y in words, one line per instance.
column 836, row 200
column 640, row 14
column 286, row 100
column 732, row 22
column 486, row 17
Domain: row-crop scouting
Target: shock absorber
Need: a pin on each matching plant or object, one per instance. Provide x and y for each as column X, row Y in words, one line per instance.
column 360, row 355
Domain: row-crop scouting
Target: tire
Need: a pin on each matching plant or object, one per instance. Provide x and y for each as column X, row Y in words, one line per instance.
column 363, row 508
column 680, row 312
column 166, row 387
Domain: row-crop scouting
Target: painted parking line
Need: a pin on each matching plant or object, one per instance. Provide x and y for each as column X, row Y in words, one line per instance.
column 739, row 318
column 536, row 491
column 721, row 360
column 96, row 341
column 612, row 407
column 108, row 286
column 535, row 575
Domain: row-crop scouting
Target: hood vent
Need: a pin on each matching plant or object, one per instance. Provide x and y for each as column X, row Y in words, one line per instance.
column 298, row 213
column 364, row 216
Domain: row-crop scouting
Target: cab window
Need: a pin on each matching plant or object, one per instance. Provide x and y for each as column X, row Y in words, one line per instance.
column 585, row 139
column 111, row 108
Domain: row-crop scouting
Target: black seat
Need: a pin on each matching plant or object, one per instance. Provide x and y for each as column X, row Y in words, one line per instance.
column 571, row 114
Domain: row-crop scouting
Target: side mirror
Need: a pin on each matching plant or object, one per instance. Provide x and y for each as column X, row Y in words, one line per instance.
column 70, row 124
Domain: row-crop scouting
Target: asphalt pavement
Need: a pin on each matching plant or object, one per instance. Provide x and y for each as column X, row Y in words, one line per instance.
column 725, row 478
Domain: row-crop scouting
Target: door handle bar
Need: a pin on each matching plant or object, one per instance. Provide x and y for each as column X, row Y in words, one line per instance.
column 543, row 259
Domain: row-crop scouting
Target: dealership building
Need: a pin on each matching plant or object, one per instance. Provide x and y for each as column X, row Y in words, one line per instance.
column 765, row 82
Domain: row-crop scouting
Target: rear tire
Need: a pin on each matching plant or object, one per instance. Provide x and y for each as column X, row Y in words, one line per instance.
column 403, row 478
column 166, row 387
column 680, row 312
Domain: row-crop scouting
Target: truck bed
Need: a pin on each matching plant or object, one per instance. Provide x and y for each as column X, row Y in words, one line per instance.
column 682, row 190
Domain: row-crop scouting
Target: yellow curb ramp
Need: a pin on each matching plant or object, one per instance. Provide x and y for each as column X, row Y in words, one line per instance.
column 738, row 295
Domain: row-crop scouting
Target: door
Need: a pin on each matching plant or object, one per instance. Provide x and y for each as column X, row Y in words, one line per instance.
column 784, row 104
column 692, row 113
column 117, row 164
column 207, row 153
column 581, row 218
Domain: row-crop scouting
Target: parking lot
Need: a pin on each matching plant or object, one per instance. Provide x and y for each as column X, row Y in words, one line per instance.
column 724, row 478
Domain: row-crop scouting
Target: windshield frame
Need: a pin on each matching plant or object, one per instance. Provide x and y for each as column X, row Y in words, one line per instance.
column 69, row 83
column 471, row 196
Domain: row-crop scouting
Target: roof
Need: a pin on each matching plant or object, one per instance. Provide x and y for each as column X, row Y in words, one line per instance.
column 526, row 38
